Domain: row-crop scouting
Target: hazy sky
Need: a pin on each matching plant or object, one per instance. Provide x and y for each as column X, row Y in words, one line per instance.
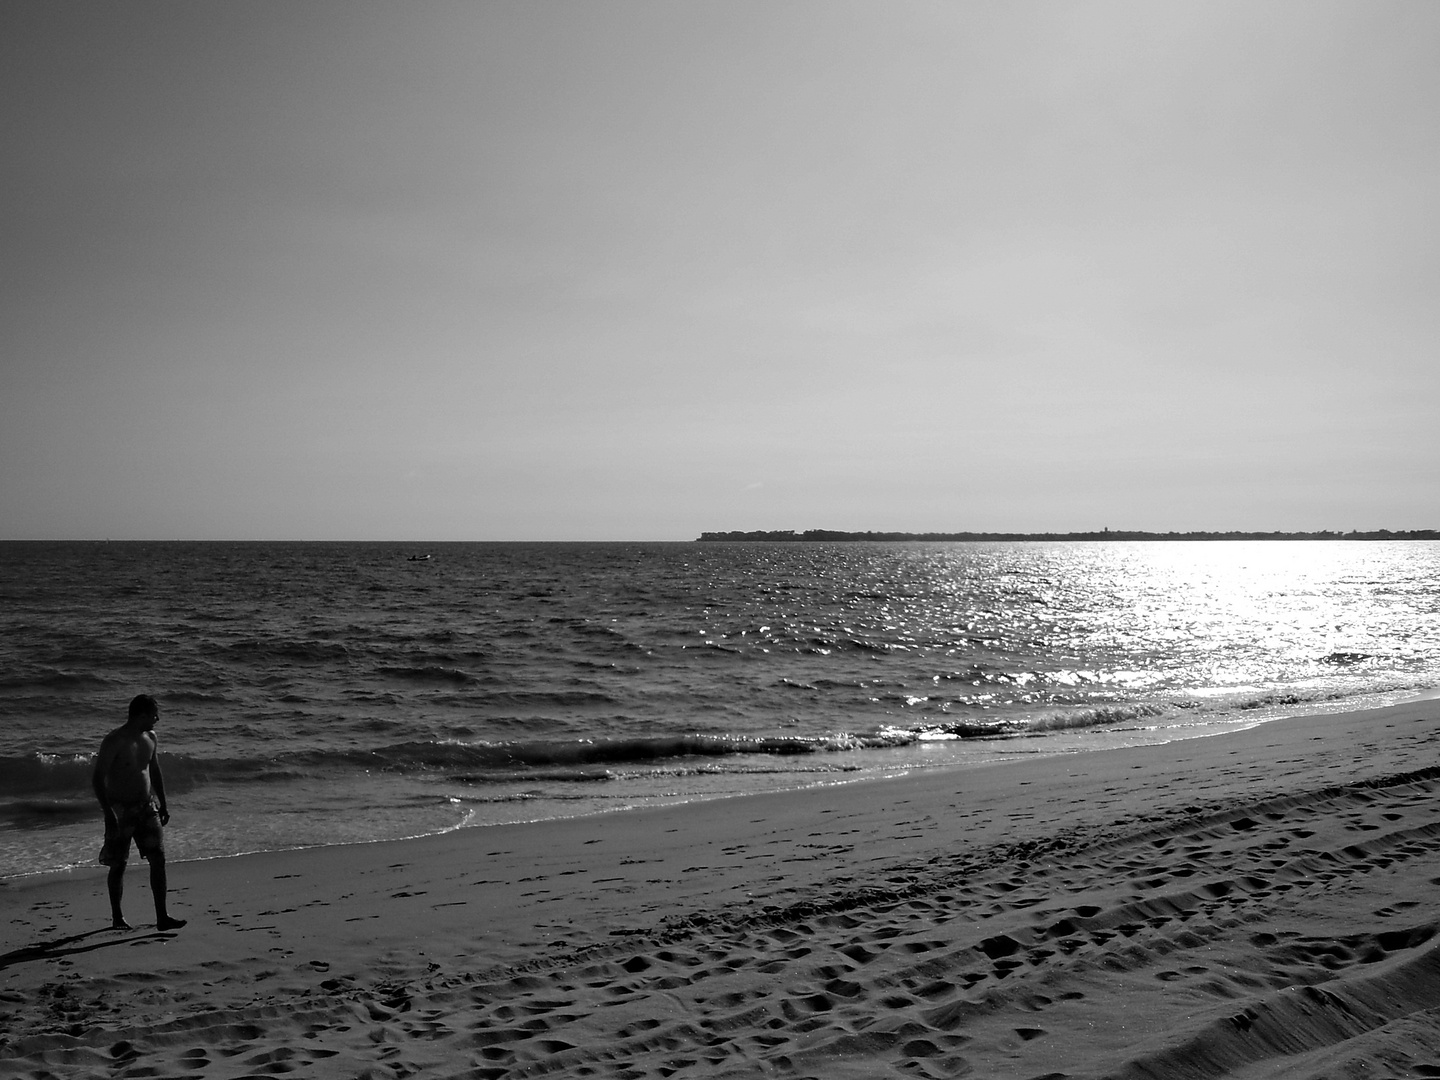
column 633, row 270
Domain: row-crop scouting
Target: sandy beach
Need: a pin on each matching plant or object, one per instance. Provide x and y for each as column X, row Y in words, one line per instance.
column 1261, row 903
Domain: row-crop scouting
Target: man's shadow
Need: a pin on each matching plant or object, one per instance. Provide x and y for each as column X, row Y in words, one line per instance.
column 70, row 946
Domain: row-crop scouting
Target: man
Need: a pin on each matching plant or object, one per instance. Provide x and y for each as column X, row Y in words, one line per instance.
column 131, row 791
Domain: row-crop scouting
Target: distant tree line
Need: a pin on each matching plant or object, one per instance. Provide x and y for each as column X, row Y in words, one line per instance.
column 1103, row 534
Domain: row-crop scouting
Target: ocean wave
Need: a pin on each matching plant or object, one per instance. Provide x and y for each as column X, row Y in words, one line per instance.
column 54, row 679
column 980, row 675
column 1270, row 701
column 429, row 673
column 43, row 787
column 36, row 775
column 199, row 697
column 42, row 813
column 1347, row 658
column 534, row 776
column 520, row 700
column 792, row 684
column 32, row 774
column 487, row 759
column 583, row 752
column 1099, row 716
column 608, row 666
column 826, row 645
column 481, row 760
column 70, row 774
column 710, row 646
column 309, row 651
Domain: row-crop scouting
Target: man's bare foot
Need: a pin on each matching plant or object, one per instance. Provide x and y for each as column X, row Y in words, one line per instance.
column 120, row 924
column 168, row 923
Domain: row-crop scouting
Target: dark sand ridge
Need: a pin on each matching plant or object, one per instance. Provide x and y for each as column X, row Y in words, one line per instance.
column 1261, row 904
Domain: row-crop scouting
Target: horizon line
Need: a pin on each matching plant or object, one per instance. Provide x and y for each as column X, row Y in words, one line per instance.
column 791, row 535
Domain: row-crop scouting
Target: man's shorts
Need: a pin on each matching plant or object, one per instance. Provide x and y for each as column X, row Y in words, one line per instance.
column 139, row 823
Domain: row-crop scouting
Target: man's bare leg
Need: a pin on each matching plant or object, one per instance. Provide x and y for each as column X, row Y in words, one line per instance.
column 163, row 921
column 116, row 884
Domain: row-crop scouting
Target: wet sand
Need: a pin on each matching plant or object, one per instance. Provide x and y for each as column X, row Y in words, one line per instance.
column 1258, row 904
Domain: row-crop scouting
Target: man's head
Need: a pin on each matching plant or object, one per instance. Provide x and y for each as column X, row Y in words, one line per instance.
column 143, row 709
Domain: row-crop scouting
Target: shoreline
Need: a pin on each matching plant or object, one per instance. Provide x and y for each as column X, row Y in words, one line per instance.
column 905, row 926
column 1044, row 740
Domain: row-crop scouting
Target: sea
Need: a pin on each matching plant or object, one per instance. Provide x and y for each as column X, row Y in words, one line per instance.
column 333, row 693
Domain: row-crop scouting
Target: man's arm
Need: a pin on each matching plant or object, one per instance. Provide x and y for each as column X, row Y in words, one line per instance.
column 157, row 783
column 103, row 758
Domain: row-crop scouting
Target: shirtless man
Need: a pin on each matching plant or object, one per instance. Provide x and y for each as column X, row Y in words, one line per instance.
column 131, row 791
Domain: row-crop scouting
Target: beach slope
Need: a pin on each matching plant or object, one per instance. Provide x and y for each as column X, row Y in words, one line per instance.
column 1258, row 904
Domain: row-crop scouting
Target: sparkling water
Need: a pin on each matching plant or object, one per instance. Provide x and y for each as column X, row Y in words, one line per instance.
column 316, row 693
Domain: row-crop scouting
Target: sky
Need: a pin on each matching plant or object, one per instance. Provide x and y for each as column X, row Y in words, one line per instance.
column 620, row 270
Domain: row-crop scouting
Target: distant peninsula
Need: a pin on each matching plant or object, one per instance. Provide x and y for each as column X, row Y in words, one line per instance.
column 833, row 535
